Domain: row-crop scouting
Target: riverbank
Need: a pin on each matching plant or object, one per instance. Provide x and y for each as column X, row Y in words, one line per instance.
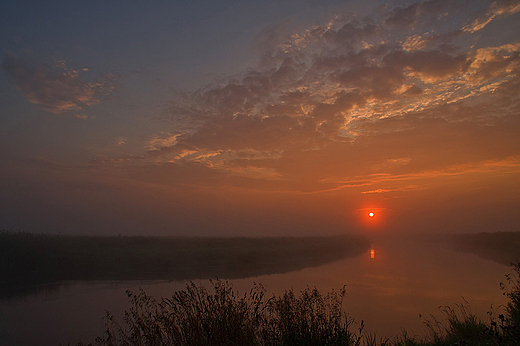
column 501, row 247
column 30, row 259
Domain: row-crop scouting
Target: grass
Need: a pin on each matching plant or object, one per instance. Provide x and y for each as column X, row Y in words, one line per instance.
column 221, row 316
column 459, row 326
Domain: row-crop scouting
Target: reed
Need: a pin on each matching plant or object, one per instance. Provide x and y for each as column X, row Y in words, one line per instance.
column 221, row 316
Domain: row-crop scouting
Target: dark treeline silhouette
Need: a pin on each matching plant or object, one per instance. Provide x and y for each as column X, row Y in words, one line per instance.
column 27, row 260
column 501, row 247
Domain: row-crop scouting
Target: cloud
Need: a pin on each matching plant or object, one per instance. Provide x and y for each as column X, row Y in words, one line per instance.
column 54, row 88
column 419, row 12
column 391, row 163
column 351, row 103
column 401, row 189
column 492, row 62
column 429, row 65
column 495, row 9
column 428, row 178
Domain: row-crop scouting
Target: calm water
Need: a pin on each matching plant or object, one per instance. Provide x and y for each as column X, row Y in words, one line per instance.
column 387, row 287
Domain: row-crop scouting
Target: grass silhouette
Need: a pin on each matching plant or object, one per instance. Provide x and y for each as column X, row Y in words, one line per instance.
column 220, row 316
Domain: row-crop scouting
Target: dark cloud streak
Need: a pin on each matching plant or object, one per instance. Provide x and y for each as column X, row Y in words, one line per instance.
column 54, row 88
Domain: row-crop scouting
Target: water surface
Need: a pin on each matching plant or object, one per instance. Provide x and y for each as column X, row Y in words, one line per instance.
column 388, row 287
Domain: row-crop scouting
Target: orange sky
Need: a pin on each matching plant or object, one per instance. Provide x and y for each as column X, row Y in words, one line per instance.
column 407, row 109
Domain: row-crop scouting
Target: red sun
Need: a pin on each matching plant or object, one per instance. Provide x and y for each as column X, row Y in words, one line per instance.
column 371, row 214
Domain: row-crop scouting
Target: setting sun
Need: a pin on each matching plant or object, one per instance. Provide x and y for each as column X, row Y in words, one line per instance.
column 372, row 216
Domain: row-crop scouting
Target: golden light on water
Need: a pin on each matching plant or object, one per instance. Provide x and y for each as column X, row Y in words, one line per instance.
column 372, row 253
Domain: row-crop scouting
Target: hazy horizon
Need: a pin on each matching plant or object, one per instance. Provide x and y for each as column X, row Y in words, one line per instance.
column 277, row 118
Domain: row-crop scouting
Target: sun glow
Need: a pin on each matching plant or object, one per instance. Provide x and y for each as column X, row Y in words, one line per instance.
column 371, row 217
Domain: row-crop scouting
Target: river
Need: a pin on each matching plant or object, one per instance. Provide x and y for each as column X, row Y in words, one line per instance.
column 388, row 288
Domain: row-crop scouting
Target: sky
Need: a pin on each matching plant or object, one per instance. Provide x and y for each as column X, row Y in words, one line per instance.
column 259, row 118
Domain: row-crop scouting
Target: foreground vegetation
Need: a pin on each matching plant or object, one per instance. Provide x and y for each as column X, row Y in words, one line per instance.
column 27, row 260
column 196, row 316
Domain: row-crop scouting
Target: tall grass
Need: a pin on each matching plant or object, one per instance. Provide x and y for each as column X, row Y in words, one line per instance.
column 457, row 325
column 221, row 316
column 460, row 326
column 510, row 323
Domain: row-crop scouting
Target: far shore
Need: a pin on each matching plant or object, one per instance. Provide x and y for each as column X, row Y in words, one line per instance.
column 27, row 260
